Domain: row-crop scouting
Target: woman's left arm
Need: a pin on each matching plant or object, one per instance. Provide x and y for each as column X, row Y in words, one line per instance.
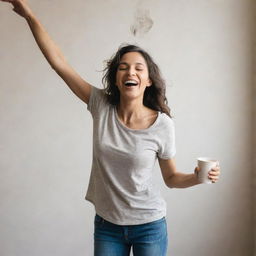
column 175, row 179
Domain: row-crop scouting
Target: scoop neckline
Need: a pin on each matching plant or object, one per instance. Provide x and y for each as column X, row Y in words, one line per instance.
column 135, row 130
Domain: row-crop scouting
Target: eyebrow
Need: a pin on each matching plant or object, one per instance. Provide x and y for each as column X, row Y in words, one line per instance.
column 125, row 63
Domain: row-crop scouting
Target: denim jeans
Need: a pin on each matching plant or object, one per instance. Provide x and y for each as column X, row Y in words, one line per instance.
column 148, row 239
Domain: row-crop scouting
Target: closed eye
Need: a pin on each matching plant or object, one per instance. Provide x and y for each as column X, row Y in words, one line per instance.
column 123, row 66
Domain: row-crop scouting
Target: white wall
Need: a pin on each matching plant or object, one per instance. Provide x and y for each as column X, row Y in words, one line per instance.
column 204, row 49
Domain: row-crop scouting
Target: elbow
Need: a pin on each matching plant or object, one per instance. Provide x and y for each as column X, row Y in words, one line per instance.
column 169, row 185
column 58, row 65
column 169, row 182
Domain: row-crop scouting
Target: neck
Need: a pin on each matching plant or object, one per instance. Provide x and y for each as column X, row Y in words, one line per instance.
column 129, row 110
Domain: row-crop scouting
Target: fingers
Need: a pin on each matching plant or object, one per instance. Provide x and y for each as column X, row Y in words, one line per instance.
column 213, row 177
column 20, row 7
column 214, row 174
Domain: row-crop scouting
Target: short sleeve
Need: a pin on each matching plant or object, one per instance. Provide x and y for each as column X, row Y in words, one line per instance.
column 167, row 148
column 97, row 100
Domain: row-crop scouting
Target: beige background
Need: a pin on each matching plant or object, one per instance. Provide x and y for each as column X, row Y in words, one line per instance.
column 204, row 49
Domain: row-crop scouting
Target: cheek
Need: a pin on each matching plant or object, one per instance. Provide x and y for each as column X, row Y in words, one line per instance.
column 146, row 79
column 118, row 77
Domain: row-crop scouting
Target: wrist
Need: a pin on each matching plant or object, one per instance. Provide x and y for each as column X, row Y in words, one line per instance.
column 30, row 16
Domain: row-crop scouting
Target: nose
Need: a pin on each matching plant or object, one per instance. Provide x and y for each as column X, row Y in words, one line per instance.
column 131, row 71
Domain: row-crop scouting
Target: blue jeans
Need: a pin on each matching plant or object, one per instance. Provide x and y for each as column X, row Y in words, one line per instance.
column 148, row 239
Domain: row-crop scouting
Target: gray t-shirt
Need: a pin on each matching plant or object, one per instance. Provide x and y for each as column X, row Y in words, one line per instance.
column 121, row 185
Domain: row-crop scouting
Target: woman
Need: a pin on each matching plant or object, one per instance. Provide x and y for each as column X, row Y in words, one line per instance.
column 132, row 128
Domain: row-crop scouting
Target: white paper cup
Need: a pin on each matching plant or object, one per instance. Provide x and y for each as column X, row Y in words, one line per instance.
column 205, row 164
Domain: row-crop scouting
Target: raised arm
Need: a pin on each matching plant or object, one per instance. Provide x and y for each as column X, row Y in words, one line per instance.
column 52, row 52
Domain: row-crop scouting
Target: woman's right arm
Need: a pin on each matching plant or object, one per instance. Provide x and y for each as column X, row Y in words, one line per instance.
column 52, row 53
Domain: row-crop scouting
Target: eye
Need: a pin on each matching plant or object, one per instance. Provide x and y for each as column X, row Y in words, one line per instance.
column 122, row 66
column 139, row 67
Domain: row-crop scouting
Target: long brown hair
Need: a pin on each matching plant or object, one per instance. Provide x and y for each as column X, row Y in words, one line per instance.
column 154, row 95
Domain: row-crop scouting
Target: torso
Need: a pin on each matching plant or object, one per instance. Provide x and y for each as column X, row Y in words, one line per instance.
column 122, row 185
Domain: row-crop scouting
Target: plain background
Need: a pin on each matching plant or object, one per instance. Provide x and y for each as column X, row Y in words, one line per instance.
column 205, row 52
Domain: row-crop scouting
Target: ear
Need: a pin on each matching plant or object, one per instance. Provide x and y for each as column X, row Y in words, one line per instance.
column 149, row 83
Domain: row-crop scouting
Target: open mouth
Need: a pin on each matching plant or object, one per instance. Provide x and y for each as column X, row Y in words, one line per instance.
column 130, row 83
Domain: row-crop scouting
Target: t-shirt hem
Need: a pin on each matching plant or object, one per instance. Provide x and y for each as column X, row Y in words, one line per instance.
column 121, row 223
column 138, row 222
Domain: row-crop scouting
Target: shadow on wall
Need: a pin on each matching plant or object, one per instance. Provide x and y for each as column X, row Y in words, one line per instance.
column 142, row 22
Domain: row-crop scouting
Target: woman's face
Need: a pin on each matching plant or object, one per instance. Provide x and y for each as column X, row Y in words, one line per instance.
column 132, row 75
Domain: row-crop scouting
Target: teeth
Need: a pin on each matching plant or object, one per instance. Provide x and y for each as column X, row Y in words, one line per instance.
column 130, row 82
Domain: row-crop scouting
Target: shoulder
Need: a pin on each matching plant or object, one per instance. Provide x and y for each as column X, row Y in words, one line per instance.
column 97, row 100
column 98, row 94
column 165, row 120
column 98, row 91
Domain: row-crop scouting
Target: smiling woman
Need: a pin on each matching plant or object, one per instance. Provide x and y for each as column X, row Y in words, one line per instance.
column 132, row 73
column 141, row 63
column 132, row 129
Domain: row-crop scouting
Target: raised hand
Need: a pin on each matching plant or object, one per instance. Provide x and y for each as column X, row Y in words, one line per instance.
column 21, row 7
column 51, row 51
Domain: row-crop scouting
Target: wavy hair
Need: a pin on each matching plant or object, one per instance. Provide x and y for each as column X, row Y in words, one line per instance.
column 154, row 95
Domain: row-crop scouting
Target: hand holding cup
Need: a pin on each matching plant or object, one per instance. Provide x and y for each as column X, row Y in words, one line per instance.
column 208, row 170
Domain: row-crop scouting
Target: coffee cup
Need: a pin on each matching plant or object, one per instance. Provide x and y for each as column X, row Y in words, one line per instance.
column 205, row 164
